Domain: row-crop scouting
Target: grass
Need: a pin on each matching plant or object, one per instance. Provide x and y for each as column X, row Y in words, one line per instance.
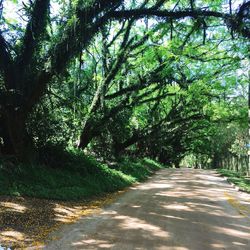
column 237, row 178
column 140, row 169
column 73, row 177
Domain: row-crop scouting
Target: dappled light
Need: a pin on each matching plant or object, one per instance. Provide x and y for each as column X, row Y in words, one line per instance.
column 155, row 185
column 28, row 222
column 66, row 214
column 10, row 239
column 125, row 124
column 243, row 208
column 231, row 232
column 174, row 208
column 191, row 212
column 94, row 243
column 12, row 207
column 177, row 207
column 12, row 236
column 132, row 223
column 238, row 244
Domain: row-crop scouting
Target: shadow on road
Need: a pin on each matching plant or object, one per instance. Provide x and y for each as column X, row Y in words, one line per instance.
column 177, row 209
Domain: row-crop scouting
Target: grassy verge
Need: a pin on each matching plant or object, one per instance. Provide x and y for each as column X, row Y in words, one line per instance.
column 72, row 177
column 140, row 169
column 237, row 178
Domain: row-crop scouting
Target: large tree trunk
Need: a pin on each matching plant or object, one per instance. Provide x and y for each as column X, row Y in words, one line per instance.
column 89, row 132
column 16, row 141
column 215, row 161
column 5, row 144
column 85, row 138
column 120, row 147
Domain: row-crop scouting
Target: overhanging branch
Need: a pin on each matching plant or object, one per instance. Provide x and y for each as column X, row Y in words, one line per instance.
column 35, row 31
column 139, row 13
column 6, row 61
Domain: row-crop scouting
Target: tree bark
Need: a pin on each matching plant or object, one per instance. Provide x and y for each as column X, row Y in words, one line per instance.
column 89, row 132
column 16, row 141
column 248, row 147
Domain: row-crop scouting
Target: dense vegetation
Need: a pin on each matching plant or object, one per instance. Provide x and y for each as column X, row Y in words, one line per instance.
column 109, row 79
column 81, row 177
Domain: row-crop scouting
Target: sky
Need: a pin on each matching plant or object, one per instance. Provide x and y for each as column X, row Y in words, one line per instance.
column 13, row 11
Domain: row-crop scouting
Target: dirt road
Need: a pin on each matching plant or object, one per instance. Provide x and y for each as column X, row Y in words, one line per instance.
column 176, row 209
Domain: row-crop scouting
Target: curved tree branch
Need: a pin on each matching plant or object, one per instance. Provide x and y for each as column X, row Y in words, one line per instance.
column 6, row 61
column 35, row 31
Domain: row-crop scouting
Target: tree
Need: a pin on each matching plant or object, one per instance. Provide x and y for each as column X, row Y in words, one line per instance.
column 42, row 51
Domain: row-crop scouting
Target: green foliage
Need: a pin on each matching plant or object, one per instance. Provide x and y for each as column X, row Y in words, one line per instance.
column 139, row 169
column 237, row 178
column 74, row 177
column 72, row 74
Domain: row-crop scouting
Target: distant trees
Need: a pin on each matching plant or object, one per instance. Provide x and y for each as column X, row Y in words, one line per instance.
column 223, row 142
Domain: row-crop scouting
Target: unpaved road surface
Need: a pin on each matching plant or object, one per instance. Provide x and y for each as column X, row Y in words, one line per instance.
column 176, row 209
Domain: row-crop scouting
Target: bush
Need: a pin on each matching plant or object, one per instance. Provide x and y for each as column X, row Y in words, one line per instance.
column 71, row 175
column 138, row 168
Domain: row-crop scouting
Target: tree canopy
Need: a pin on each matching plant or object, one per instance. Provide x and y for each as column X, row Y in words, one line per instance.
column 157, row 78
